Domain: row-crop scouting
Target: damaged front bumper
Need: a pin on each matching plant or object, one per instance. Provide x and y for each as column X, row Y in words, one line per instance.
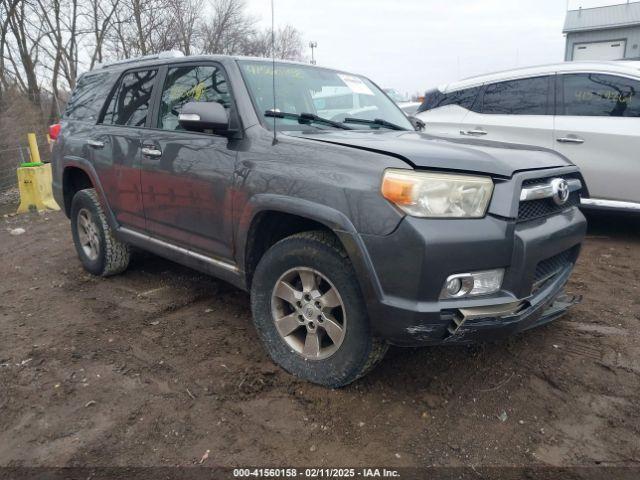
column 467, row 323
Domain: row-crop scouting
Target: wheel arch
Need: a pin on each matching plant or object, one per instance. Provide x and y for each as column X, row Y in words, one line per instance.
column 77, row 175
column 269, row 218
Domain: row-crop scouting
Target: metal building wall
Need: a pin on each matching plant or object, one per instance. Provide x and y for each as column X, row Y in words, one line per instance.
column 630, row 34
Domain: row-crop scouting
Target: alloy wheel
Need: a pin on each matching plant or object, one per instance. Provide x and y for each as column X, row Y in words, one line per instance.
column 88, row 234
column 309, row 313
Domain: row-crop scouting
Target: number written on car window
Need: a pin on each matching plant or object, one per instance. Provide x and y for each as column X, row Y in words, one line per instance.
column 596, row 95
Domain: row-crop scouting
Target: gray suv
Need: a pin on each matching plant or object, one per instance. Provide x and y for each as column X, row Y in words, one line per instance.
column 311, row 189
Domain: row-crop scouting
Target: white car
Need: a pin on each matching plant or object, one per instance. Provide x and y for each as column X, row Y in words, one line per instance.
column 588, row 111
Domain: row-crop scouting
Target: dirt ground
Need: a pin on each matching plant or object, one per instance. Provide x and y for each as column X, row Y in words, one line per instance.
column 161, row 365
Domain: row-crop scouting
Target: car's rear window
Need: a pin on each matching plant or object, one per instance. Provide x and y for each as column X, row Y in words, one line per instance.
column 131, row 101
column 597, row 95
column 88, row 97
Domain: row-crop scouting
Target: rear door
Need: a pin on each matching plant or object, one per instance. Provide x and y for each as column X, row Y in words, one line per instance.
column 516, row 111
column 597, row 127
column 187, row 176
column 116, row 144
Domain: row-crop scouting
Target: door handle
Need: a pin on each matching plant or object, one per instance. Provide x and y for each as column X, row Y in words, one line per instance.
column 575, row 140
column 151, row 151
column 95, row 143
column 477, row 131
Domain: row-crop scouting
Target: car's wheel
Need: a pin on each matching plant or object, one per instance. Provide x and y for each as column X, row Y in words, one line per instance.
column 309, row 311
column 100, row 252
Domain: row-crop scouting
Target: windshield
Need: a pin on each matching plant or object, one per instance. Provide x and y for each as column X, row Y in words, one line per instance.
column 329, row 94
column 396, row 96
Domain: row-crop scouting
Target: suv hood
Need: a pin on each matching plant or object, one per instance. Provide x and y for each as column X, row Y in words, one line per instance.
column 426, row 151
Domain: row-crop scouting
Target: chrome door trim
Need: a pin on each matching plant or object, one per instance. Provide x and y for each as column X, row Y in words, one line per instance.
column 189, row 253
column 545, row 190
column 614, row 204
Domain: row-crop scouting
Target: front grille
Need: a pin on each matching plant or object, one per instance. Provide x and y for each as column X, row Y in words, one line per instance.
column 532, row 209
column 550, row 267
column 544, row 207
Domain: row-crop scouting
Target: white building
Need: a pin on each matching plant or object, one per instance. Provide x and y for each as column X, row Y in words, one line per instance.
column 603, row 33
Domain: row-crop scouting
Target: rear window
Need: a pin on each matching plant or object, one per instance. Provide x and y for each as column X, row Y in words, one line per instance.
column 131, row 100
column 463, row 98
column 88, row 97
column 529, row 96
column 595, row 95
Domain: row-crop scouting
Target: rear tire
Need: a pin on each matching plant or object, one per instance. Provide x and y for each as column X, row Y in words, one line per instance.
column 330, row 342
column 100, row 252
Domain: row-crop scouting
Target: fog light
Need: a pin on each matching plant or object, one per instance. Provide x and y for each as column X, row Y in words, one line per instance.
column 473, row 284
column 453, row 286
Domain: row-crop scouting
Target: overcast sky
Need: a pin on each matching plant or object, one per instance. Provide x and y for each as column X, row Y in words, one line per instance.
column 413, row 45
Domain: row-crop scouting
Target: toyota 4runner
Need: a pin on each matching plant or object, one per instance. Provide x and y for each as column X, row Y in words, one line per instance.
column 311, row 189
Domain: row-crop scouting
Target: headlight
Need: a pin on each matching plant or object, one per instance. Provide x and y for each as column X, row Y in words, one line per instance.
column 438, row 195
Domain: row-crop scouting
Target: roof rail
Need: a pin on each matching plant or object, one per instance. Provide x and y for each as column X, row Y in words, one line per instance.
column 155, row 56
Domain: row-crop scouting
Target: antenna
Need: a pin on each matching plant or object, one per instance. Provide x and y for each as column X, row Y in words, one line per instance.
column 273, row 73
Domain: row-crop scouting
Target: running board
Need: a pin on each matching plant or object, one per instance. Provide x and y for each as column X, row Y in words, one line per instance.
column 211, row 266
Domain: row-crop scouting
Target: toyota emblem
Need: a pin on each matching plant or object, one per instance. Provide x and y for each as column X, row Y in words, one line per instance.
column 561, row 191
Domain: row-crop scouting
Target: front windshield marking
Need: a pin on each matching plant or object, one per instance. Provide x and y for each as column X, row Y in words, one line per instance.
column 329, row 94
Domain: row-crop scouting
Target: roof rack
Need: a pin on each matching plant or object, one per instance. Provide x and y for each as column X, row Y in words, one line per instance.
column 155, row 56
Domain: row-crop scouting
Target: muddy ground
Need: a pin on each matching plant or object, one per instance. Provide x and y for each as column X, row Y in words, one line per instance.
column 160, row 365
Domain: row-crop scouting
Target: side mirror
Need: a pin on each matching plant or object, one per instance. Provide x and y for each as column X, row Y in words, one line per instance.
column 418, row 124
column 200, row 116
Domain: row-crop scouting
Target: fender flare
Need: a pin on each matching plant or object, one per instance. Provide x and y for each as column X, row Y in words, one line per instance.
column 331, row 218
column 89, row 170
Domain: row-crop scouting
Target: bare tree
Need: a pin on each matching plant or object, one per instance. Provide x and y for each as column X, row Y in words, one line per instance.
column 287, row 44
column 226, row 31
column 141, row 27
column 99, row 15
column 186, row 15
column 22, row 53
column 7, row 8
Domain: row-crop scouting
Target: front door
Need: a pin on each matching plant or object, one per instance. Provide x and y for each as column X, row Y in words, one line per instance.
column 516, row 111
column 187, row 176
column 597, row 127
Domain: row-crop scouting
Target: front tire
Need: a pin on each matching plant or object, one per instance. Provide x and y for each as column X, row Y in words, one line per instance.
column 100, row 252
column 309, row 311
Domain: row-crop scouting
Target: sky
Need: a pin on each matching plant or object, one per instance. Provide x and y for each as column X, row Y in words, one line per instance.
column 413, row 45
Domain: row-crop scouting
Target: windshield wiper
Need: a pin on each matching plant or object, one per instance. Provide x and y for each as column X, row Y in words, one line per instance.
column 377, row 121
column 306, row 119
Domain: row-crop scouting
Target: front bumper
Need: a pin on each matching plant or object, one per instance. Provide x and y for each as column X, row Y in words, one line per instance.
column 411, row 265
column 474, row 325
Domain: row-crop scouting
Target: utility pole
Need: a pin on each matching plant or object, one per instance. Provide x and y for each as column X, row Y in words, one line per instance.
column 313, row 46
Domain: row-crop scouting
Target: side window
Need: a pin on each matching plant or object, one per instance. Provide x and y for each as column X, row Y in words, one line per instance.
column 463, row 98
column 130, row 102
column 517, row 97
column 88, row 97
column 202, row 83
column 595, row 95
